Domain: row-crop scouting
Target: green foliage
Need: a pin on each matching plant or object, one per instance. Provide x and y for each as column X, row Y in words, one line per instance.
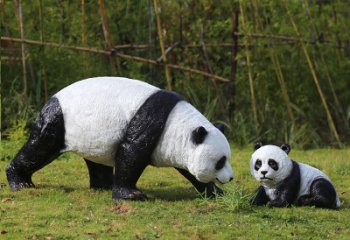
column 63, row 207
column 322, row 24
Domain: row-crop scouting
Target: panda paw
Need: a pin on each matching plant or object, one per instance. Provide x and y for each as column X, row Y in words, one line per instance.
column 211, row 191
column 18, row 181
column 127, row 193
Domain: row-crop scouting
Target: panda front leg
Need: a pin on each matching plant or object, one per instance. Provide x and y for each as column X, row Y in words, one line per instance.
column 130, row 163
column 43, row 146
column 260, row 198
column 206, row 189
column 322, row 194
column 101, row 176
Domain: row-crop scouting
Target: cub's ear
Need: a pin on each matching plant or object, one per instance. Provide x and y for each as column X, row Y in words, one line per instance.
column 221, row 127
column 285, row 147
column 257, row 145
column 198, row 135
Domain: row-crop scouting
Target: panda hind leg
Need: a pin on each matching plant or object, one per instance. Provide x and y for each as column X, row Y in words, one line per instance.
column 208, row 190
column 101, row 176
column 322, row 195
column 45, row 142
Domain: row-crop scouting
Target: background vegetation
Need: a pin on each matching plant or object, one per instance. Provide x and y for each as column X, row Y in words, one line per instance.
column 293, row 62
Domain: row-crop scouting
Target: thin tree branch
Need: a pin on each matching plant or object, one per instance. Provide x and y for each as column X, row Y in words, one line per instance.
column 124, row 56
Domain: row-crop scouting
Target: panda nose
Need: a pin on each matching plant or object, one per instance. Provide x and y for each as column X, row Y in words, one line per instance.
column 263, row 172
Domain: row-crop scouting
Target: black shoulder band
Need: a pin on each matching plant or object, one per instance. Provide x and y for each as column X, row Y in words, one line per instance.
column 149, row 121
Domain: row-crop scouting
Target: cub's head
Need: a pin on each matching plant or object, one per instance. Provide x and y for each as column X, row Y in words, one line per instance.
column 270, row 164
column 209, row 160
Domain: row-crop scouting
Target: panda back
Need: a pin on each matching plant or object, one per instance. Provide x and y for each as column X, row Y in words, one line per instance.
column 96, row 113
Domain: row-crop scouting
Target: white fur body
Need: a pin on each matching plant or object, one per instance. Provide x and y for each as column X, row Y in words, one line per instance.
column 308, row 175
column 96, row 114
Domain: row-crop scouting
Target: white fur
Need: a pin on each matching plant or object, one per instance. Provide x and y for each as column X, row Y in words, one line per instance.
column 308, row 174
column 96, row 113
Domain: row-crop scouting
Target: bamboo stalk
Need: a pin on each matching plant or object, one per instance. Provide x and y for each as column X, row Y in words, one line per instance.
column 280, row 78
column 42, row 50
column 160, row 36
column 58, row 45
column 250, row 74
column 206, row 57
column 8, row 46
column 218, row 45
column 234, row 51
column 124, row 56
column 83, row 34
column 314, row 77
column 107, row 35
column 0, row 102
column 18, row 5
column 173, row 66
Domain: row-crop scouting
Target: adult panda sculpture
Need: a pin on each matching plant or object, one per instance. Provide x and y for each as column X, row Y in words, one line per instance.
column 126, row 124
column 285, row 182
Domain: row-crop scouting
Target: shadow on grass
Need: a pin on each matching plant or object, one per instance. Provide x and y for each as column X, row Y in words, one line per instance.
column 172, row 194
column 59, row 187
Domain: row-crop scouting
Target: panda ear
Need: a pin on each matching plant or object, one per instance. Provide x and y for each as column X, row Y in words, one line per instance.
column 198, row 135
column 257, row 145
column 221, row 127
column 285, row 147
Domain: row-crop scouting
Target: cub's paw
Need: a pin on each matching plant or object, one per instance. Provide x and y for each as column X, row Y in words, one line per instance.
column 127, row 193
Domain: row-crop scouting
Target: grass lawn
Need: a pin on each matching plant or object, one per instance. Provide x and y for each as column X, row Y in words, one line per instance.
column 63, row 207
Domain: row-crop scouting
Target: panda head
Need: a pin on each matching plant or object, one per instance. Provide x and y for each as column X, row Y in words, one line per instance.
column 209, row 159
column 270, row 164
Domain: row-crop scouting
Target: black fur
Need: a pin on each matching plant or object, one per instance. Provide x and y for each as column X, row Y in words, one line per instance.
column 257, row 145
column 273, row 164
column 198, row 135
column 285, row 147
column 221, row 127
column 43, row 146
column 260, row 198
column 208, row 190
column 141, row 137
column 221, row 163
column 101, row 176
column 322, row 194
column 287, row 191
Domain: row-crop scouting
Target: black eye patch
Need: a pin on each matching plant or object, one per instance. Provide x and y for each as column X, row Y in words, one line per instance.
column 258, row 164
column 273, row 164
column 221, row 163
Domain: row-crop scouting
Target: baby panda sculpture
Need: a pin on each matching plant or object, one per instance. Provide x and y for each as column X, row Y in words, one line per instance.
column 119, row 126
column 285, row 182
